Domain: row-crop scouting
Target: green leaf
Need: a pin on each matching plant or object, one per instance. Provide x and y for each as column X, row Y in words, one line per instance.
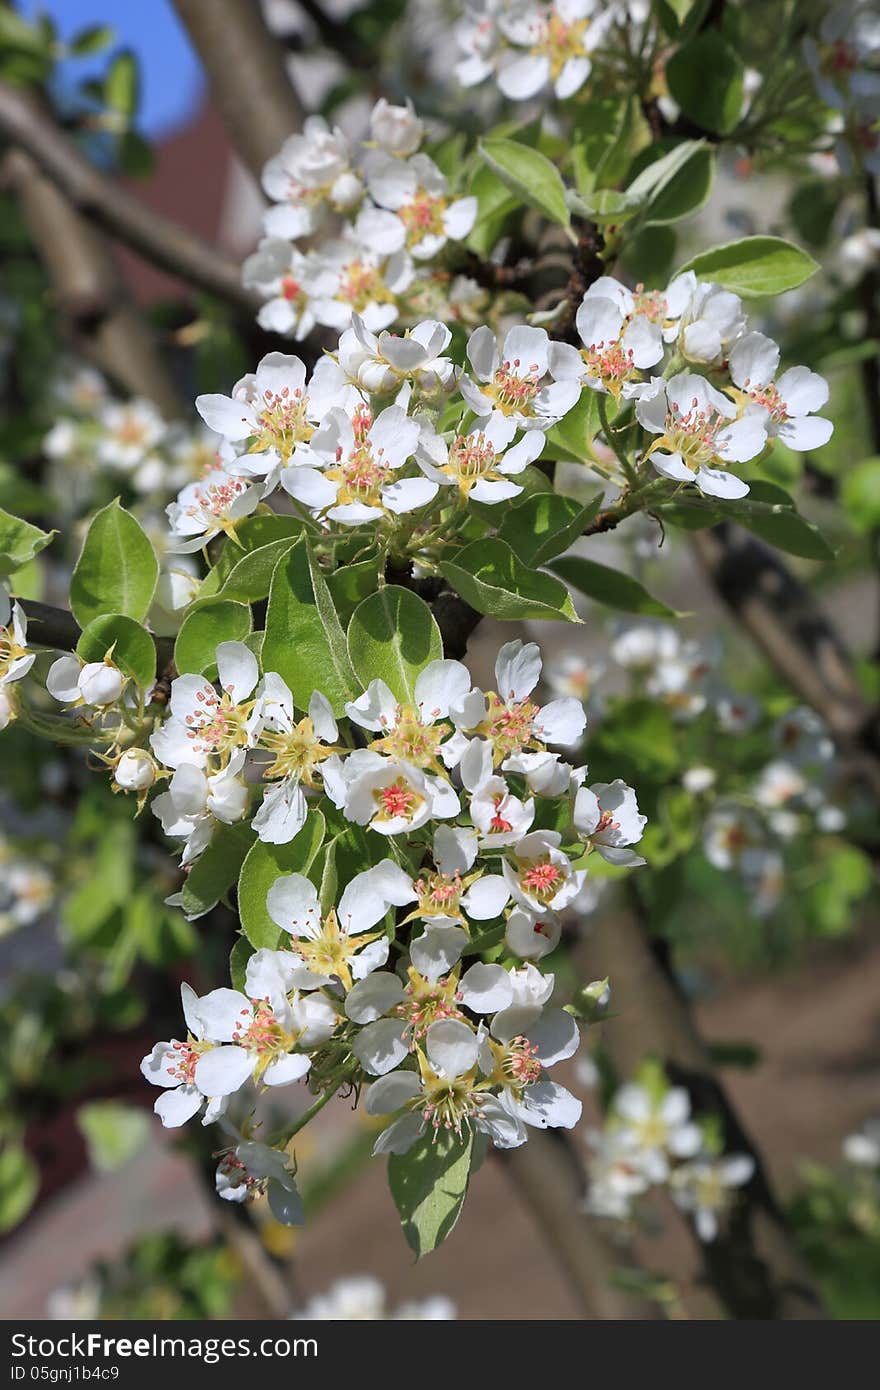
column 530, row 174
column 705, row 77
column 610, row 586
column 19, row 1184
column 250, row 578
column 754, row 266
column 203, row 630
column 93, row 39
column 117, row 569
column 429, row 1184
column 121, row 85
column 769, row 512
column 393, row 635
column 545, row 525
column 572, row 437
column 238, row 959
column 114, row 1133
column 215, row 871
column 684, row 187
column 134, row 650
column 491, row 578
column 304, row 640
column 349, row 585
column 495, row 203
column 263, row 865
column 19, row 542
column 860, row 495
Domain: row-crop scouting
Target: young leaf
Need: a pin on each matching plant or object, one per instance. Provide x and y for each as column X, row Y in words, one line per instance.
column 393, row 635
column 215, row 871
column 572, row 437
column 545, row 525
column 204, row 629
column 304, row 641
column 19, row 542
column 754, row 266
column 121, row 85
column 530, row 174
column 250, row 578
column 265, row 863
column 491, row 578
column 706, row 78
column 429, row 1185
column 684, row 188
column 238, row 959
column 134, row 650
column 117, row 568
column 609, row 586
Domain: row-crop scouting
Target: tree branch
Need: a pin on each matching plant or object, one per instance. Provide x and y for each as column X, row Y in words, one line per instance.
column 159, row 239
column 88, row 289
column 58, row 629
column 247, row 74
column 786, row 622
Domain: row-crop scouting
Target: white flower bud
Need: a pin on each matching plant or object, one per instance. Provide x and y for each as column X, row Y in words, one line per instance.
column 135, row 771
column 346, row 192
column 396, row 128
column 100, row 683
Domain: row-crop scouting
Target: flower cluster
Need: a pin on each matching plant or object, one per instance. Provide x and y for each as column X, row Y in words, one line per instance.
column 391, row 211
column 15, row 659
column 844, row 60
column 528, row 47
column 650, row 1139
column 479, row 834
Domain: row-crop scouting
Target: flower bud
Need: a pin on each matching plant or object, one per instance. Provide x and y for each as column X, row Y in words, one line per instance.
column 396, row 128
column 100, row 683
column 8, row 706
column 135, row 771
column 591, row 1001
column 346, row 192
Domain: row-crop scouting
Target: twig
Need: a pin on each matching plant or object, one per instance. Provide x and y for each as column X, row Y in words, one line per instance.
column 160, row 239
column 247, row 74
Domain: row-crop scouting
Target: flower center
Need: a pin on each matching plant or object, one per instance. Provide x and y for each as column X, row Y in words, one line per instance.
column 361, row 284
column 471, row 457
column 330, row 952
column 692, row 435
column 282, row 422
column 423, row 216
column 563, row 41
column 217, row 724
column 298, row 752
column 411, row 740
column 425, row 1003
column 542, row 880
column 610, row 363
column 439, row 894
column 508, row 726
column 498, row 824
column 215, row 498
column 399, row 801
column 182, row 1059
column 514, row 387
column 291, row 289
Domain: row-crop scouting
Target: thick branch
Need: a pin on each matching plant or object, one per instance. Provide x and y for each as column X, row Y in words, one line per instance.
column 247, row 74
column 56, row 628
column 786, row 622
column 159, row 239
column 754, row 1266
column 88, row 290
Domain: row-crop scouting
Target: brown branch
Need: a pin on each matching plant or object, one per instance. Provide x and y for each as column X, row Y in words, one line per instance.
column 784, row 619
column 87, row 288
column 58, row 629
column 754, row 1266
column 247, row 75
column 159, row 239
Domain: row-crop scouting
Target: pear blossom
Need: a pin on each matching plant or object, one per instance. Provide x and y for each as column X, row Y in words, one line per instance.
column 368, row 270
column 417, row 193
column 15, row 659
column 130, row 430
column 414, row 733
column 447, row 1092
column 396, row 129
column 135, row 770
column 479, row 463
column 554, row 45
column 508, row 718
column 616, row 1173
column 531, row 935
column 285, row 280
column 312, row 169
column 516, row 383
column 863, row 1148
column 802, row 736
column 195, row 801
column 705, row 1189
column 540, row 875
column 698, row 430
column 659, row 1125
column 252, row 1168
column 340, row 944
column 205, row 724
column 383, row 363
column 208, row 508
column 390, row 795
column 359, row 458
column 710, row 324
column 789, row 402
column 607, row 815
column 362, row 1298
column 619, row 343
column 75, row 682
column 297, row 751
column 172, row 1065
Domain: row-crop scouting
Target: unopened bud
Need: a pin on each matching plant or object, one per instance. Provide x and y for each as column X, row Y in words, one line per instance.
column 101, row 683
column 135, row 771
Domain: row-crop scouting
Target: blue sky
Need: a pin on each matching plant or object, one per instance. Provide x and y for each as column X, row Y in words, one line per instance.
column 171, row 78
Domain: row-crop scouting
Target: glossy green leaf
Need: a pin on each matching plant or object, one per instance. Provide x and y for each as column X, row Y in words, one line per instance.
column 304, row 640
column 393, row 635
column 610, row 586
column 571, row 438
column 529, row 174
column 19, row 542
column 429, row 1184
column 545, row 525
column 117, row 568
column 754, row 266
column 706, row 78
column 263, row 865
column 216, row 869
column 494, row 581
column 204, row 629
